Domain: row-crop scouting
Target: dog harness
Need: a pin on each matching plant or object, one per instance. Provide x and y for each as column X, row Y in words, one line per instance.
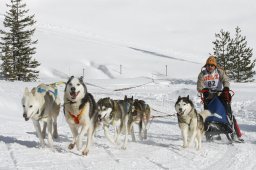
column 42, row 90
column 182, row 120
column 76, row 118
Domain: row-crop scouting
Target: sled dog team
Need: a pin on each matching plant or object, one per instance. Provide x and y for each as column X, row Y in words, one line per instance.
column 84, row 115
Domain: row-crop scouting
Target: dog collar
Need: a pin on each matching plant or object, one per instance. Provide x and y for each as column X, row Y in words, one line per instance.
column 70, row 102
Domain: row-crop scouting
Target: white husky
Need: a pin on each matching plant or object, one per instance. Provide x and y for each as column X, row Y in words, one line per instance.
column 190, row 122
column 42, row 104
column 80, row 113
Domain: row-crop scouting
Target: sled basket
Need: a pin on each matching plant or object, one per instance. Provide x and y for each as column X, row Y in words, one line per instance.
column 219, row 114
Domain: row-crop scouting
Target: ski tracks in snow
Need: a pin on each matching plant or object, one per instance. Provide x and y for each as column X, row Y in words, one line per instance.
column 9, row 161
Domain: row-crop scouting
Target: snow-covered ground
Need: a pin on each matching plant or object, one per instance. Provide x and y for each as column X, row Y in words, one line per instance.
column 20, row 148
column 143, row 36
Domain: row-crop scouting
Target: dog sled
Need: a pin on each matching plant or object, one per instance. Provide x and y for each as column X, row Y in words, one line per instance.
column 222, row 120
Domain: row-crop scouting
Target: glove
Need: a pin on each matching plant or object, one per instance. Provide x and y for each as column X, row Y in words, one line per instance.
column 225, row 95
column 225, row 89
column 205, row 93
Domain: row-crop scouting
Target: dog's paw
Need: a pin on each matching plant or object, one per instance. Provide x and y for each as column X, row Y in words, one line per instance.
column 185, row 146
column 117, row 142
column 123, row 147
column 43, row 145
column 145, row 137
column 85, row 152
column 71, row 146
column 55, row 135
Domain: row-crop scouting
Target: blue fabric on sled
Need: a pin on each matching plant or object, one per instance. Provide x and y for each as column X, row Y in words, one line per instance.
column 218, row 111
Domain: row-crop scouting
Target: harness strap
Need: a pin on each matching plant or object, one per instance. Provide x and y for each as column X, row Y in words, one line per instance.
column 42, row 90
column 55, row 92
column 70, row 102
column 76, row 118
column 57, row 83
column 182, row 120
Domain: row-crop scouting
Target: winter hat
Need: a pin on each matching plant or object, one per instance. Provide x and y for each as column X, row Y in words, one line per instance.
column 211, row 60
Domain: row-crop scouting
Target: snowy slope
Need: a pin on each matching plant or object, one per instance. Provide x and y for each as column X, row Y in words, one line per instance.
column 102, row 31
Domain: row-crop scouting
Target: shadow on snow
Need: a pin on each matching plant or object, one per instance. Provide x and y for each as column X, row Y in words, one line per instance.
column 12, row 140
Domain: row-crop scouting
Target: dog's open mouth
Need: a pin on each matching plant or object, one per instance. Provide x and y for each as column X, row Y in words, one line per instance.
column 181, row 113
column 74, row 94
column 99, row 119
column 25, row 117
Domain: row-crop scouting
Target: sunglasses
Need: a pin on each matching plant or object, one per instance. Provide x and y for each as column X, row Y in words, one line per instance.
column 210, row 65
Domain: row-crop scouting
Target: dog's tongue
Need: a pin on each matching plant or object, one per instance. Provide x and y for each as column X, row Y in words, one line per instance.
column 180, row 113
column 73, row 94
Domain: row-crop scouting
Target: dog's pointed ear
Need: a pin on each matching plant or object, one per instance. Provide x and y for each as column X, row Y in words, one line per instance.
column 179, row 98
column 110, row 101
column 99, row 101
column 81, row 78
column 26, row 92
column 188, row 97
column 33, row 91
column 132, row 97
column 71, row 77
column 125, row 97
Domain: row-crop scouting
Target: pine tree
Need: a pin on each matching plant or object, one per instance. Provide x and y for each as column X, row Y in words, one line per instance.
column 222, row 50
column 242, row 63
column 16, row 45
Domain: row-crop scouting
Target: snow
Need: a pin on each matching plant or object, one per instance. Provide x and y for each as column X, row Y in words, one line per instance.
column 143, row 36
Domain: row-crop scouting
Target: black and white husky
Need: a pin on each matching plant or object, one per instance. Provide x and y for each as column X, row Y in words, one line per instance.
column 42, row 103
column 80, row 113
column 114, row 113
column 190, row 122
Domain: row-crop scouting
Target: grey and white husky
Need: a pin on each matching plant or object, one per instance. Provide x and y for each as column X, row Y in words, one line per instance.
column 114, row 113
column 80, row 112
column 190, row 122
column 42, row 104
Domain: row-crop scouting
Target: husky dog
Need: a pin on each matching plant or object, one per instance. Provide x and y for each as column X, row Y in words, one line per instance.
column 42, row 104
column 190, row 122
column 114, row 113
column 140, row 115
column 80, row 113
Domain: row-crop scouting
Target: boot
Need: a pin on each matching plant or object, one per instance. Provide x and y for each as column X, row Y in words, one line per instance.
column 237, row 139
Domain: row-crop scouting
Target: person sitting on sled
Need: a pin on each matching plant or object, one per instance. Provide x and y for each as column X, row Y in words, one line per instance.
column 212, row 77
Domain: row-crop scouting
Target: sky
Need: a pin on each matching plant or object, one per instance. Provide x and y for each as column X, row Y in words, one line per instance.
column 129, row 44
